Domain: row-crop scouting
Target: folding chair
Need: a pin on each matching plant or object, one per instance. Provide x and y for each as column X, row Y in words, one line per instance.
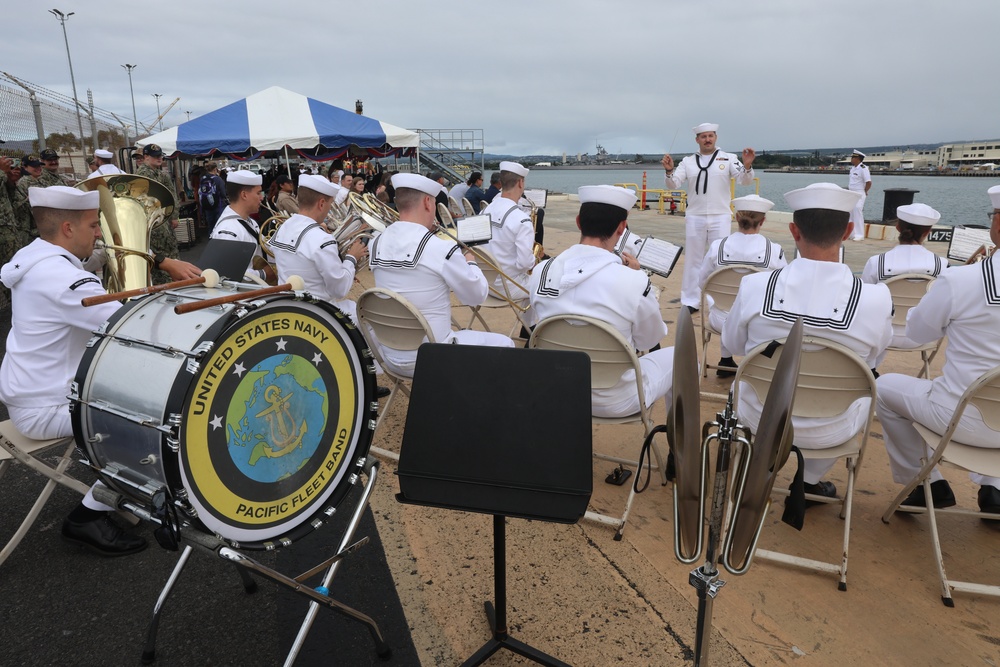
column 722, row 286
column 395, row 323
column 455, row 208
column 610, row 356
column 467, row 206
column 831, row 378
column 497, row 298
column 984, row 394
column 907, row 289
column 16, row 447
column 482, row 205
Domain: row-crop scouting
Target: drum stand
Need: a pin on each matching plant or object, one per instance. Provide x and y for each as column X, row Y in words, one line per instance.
column 317, row 596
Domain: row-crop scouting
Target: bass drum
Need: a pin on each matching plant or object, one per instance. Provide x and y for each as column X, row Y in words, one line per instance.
column 252, row 422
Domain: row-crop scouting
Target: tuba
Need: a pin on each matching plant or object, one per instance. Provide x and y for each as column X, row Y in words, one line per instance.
column 131, row 206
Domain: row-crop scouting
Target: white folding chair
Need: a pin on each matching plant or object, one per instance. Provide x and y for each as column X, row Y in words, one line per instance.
column 395, row 323
column 482, row 205
column 467, row 206
column 455, row 208
column 446, row 218
column 722, row 286
column 16, row 447
column 610, row 357
column 831, row 378
column 907, row 289
column 984, row 394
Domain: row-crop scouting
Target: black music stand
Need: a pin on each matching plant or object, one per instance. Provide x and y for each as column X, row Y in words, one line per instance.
column 511, row 438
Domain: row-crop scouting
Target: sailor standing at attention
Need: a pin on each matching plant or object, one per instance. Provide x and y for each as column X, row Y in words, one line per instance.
column 860, row 181
column 707, row 217
column 243, row 190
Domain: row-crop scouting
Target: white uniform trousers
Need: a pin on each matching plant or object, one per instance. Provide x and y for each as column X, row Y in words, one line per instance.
column 717, row 320
column 403, row 363
column 902, row 400
column 51, row 422
column 622, row 400
column 858, row 217
column 700, row 231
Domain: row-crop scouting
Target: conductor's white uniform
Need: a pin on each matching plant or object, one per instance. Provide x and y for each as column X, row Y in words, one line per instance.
column 834, row 304
column 416, row 264
column 964, row 305
column 735, row 250
column 707, row 217
column 902, row 259
column 303, row 248
column 590, row 281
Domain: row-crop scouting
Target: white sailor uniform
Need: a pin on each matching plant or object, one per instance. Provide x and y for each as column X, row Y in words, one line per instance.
column 737, row 249
column 48, row 335
column 707, row 216
column 859, row 175
column 512, row 245
column 108, row 170
column 835, row 305
column 964, row 305
column 303, row 248
column 410, row 260
column 911, row 258
column 590, row 281
column 231, row 227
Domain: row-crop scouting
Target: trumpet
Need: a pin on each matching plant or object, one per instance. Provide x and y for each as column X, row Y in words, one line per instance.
column 982, row 253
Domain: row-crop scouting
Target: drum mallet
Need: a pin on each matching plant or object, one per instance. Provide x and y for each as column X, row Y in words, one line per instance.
column 294, row 284
column 209, row 277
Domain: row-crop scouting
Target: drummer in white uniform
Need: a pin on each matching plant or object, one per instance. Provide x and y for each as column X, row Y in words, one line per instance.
column 964, row 305
column 104, row 163
column 409, row 259
column 243, row 190
column 303, row 247
column 914, row 222
column 48, row 335
column 513, row 234
column 745, row 247
column 707, row 217
column 833, row 303
column 589, row 279
column 860, row 181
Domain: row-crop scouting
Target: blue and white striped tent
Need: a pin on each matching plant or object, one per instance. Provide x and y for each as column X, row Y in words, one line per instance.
column 275, row 118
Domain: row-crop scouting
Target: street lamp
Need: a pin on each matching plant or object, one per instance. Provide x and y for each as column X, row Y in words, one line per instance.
column 158, row 116
column 189, row 114
column 135, row 120
column 62, row 18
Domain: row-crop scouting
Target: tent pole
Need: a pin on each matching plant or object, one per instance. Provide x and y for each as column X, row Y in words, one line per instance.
column 288, row 164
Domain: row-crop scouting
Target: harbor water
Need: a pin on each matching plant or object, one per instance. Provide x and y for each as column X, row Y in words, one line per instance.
column 961, row 201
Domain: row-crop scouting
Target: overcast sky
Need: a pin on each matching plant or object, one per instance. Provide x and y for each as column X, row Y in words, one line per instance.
column 548, row 77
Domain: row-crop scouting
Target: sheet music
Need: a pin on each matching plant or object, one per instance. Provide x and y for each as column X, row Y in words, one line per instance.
column 658, row 256
column 798, row 254
column 474, row 230
column 537, row 197
column 967, row 240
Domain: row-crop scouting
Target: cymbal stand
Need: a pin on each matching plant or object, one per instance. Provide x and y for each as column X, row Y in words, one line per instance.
column 317, row 596
column 705, row 579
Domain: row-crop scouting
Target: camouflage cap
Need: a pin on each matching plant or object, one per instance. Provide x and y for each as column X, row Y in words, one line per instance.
column 49, row 154
column 152, row 149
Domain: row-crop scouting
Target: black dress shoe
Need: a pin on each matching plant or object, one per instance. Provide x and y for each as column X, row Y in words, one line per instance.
column 724, row 363
column 989, row 499
column 103, row 536
column 825, row 489
column 941, row 494
column 382, row 392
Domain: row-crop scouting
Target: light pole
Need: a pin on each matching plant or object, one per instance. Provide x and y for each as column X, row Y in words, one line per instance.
column 189, row 114
column 135, row 120
column 62, row 20
column 158, row 116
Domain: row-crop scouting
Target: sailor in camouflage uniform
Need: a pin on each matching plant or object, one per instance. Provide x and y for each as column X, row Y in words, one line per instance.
column 31, row 177
column 50, row 174
column 10, row 235
column 163, row 241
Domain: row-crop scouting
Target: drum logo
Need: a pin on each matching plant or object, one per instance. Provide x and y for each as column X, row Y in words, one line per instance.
column 269, row 420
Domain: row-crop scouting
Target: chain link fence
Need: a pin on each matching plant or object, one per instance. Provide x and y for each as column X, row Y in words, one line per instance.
column 33, row 118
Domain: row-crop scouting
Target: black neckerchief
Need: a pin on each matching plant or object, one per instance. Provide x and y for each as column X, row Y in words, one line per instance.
column 703, row 171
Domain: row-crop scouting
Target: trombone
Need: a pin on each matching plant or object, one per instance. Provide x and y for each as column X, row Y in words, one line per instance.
column 488, row 259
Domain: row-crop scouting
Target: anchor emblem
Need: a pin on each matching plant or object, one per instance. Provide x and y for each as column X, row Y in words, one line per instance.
column 286, row 435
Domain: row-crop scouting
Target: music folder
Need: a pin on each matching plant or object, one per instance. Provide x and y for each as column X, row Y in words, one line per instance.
column 537, row 196
column 965, row 241
column 474, row 230
column 654, row 255
column 230, row 259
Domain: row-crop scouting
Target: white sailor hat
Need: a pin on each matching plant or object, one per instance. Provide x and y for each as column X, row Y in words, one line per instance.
column 514, row 168
column 244, row 177
column 417, row 182
column 318, row 184
column 623, row 198
column 857, row 153
column 994, row 194
column 823, row 195
column 64, row 198
column 918, row 214
column 705, row 127
column 752, row 203
column 103, row 154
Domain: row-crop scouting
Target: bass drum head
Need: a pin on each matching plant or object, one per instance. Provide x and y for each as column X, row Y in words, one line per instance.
column 277, row 422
